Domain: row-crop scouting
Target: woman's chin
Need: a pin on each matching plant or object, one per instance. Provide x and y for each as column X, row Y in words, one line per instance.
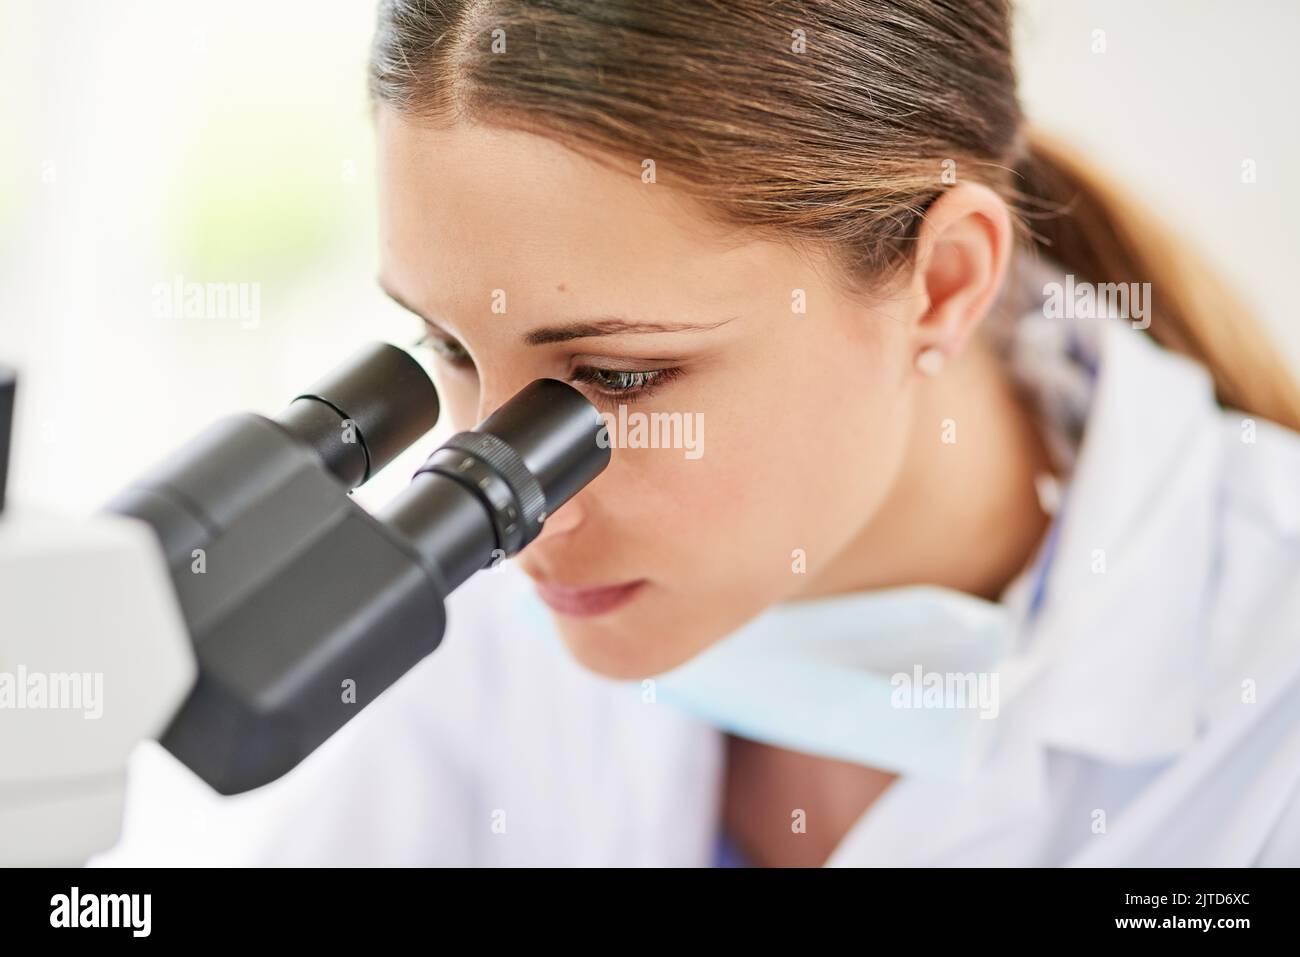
column 606, row 647
column 624, row 645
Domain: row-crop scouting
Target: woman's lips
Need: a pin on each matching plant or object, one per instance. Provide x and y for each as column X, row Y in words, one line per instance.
column 585, row 602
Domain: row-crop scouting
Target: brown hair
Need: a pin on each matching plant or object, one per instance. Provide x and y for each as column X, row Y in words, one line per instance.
column 827, row 122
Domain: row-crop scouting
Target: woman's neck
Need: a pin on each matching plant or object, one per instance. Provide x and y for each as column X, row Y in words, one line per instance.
column 963, row 513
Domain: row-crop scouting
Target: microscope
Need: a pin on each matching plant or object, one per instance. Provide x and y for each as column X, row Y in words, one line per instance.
column 237, row 605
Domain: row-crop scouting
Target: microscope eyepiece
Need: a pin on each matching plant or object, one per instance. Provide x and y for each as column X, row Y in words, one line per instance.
column 365, row 413
column 484, row 495
column 555, row 432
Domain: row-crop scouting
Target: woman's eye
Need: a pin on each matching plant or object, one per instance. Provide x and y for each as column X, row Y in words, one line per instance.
column 608, row 383
column 615, row 384
column 449, row 350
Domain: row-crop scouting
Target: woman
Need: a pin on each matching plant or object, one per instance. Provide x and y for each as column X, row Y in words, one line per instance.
column 990, row 553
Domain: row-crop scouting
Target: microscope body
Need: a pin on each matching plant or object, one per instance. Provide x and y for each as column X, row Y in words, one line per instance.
column 302, row 607
column 94, row 657
column 236, row 603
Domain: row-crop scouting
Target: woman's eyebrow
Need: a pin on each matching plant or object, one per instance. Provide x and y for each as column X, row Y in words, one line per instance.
column 585, row 329
column 610, row 327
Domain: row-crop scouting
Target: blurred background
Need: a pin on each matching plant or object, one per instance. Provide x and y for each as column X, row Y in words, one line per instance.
column 153, row 144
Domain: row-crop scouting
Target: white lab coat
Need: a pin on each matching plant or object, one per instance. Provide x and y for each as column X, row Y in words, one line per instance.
column 1162, row 725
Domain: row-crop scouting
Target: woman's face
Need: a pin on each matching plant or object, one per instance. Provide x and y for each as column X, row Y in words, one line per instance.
column 800, row 415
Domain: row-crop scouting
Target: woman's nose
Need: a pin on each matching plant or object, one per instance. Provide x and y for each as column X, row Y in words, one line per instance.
column 566, row 518
column 486, row 407
column 492, row 398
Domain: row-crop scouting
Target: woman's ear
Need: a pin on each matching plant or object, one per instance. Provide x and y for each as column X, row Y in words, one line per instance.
column 963, row 249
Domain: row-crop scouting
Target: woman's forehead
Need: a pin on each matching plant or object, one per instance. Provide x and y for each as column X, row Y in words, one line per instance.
column 483, row 208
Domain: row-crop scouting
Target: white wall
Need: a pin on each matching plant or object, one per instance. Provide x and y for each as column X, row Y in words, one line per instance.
column 1185, row 91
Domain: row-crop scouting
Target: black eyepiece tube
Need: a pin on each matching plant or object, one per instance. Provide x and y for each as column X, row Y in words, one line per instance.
column 484, row 495
column 555, row 432
column 365, row 413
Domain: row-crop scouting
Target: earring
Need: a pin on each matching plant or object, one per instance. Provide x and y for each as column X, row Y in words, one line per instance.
column 930, row 361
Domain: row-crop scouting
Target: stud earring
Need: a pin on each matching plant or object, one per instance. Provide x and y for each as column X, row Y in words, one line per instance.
column 930, row 361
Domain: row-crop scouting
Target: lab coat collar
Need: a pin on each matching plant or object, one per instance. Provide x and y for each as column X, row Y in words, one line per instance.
column 1109, row 662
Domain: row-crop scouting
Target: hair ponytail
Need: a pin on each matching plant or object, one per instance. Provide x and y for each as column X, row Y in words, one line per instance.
column 1093, row 227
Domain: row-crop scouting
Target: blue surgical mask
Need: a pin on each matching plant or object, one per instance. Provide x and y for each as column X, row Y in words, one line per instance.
column 909, row 679
column 902, row 679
